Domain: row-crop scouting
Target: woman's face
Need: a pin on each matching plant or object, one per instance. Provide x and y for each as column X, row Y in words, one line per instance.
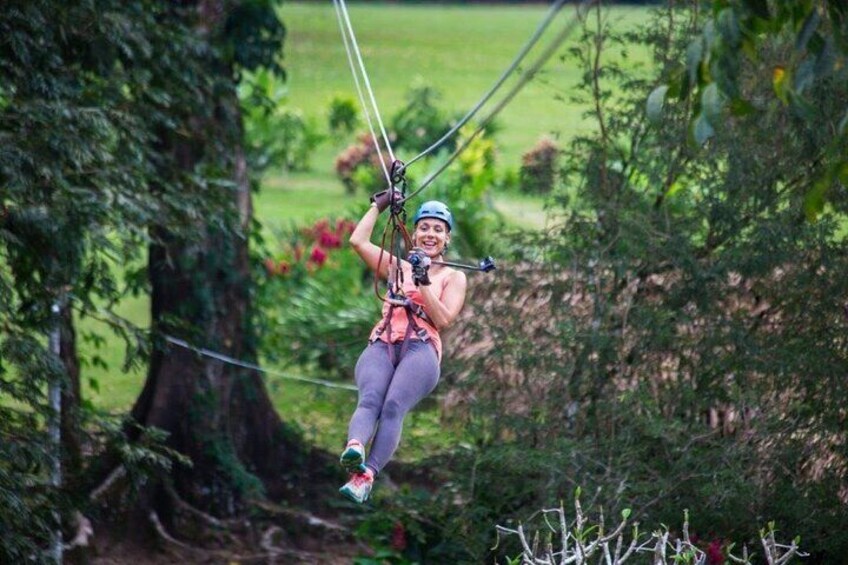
column 432, row 236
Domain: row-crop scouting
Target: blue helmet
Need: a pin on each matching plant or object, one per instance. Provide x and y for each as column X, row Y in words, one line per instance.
column 434, row 209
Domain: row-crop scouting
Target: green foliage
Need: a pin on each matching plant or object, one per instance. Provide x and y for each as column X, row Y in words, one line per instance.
column 317, row 298
column 770, row 57
column 681, row 352
column 82, row 102
column 420, row 121
column 91, row 91
column 254, row 36
column 28, row 502
column 464, row 187
column 276, row 134
column 342, row 116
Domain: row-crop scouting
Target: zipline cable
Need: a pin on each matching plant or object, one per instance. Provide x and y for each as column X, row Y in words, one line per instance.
column 343, row 14
column 362, row 101
column 226, row 359
column 540, row 29
column 525, row 78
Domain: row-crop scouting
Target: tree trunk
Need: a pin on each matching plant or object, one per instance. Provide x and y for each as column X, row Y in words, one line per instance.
column 70, row 412
column 217, row 414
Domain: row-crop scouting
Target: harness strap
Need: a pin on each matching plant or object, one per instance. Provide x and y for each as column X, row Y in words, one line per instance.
column 413, row 310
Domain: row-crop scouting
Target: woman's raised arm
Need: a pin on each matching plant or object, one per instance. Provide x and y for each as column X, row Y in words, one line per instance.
column 360, row 240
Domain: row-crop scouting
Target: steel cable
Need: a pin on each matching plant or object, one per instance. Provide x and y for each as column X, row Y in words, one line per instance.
column 540, row 29
column 525, row 78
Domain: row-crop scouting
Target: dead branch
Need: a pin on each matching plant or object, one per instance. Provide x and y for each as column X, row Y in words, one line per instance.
column 118, row 473
column 576, row 546
column 85, row 532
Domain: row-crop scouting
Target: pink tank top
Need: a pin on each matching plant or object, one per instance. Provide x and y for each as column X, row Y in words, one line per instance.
column 400, row 320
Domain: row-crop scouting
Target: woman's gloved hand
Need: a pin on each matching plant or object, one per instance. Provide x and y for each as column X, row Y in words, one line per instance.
column 386, row 198
column 420, row 266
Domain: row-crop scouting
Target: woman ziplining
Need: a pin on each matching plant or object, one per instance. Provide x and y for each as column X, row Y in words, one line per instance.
column 400, row 365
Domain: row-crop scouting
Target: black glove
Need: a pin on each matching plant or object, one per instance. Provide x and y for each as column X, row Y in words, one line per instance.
column 386, row 198
column 420, row 267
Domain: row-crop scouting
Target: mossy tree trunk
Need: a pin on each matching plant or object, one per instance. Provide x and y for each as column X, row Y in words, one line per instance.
column 217, row 414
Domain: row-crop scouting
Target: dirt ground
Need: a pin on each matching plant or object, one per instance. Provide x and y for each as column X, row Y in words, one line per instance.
column 113, row 545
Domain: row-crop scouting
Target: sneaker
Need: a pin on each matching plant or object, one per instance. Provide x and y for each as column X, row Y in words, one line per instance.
column 358, row 488
column 353, row 457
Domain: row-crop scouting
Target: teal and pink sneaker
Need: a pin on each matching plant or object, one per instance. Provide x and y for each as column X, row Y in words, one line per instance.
column 358, row 488
column 353, row 457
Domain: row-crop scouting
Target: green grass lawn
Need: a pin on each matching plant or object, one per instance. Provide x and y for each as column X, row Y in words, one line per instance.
column 461, row 50
column 458, row 49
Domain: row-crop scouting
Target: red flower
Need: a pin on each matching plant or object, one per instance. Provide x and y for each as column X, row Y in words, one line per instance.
column 270, row 266
column 318, row 256
column 283, row 268
column 320, row 227
column 398, row 537
column 344, row 227
column 329, row 240
column 714, row 554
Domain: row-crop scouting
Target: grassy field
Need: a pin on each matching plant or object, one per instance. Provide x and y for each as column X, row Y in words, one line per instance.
column 460, row 50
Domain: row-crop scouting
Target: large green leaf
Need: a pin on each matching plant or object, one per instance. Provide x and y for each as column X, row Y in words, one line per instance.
column 712, row 103
column 656, row 101
column 694, row 55
column 814, row 200
column 702, row 131
column 811, row 23
column 728, row 27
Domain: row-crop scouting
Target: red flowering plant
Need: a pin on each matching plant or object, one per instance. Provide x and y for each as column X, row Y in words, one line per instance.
column 316, row 300
column 309, row 249
column 358, row 166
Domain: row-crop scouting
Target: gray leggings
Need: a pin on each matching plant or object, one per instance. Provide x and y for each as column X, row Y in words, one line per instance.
column 387, row 393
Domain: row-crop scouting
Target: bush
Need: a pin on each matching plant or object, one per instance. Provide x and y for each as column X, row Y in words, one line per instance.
column 317, row 299
column 342, row 116
column 275, row 134
column 420, row 122
column 358, row 166
column 538, row 172
column 464, row 187
column 685, row 336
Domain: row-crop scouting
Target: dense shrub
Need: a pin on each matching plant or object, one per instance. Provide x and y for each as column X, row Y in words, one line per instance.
column 539, row 166
column 686, row 342
column 318, row 300
column 342, row 116
column 464, row 186
column 420, row 121
column 358, row 166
